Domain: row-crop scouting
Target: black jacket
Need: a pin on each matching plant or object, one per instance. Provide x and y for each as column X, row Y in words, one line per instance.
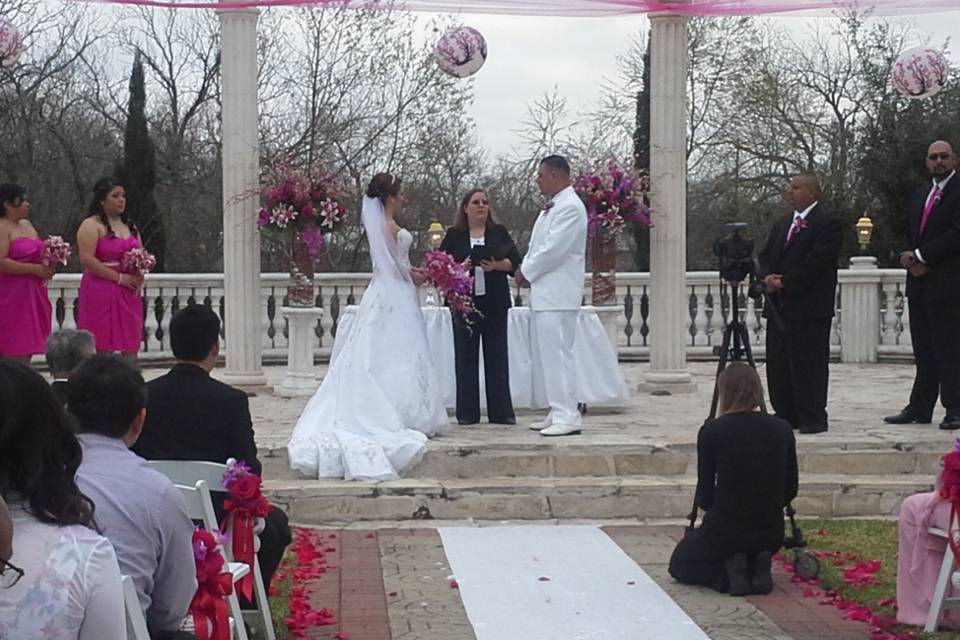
column 808, row 265
column 939, row 244
column 191, row 416
column 497, row 239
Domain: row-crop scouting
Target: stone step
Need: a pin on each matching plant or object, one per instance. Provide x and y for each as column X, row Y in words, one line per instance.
column 645, row 497
column 447, row 462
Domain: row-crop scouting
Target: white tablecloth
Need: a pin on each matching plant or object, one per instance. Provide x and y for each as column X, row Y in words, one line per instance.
column 598, row 380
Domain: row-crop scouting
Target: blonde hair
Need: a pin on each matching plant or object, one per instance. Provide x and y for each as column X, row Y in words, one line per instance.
column 740, row 389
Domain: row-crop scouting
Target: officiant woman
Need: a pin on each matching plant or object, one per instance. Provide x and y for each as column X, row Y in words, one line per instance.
column 476, row 236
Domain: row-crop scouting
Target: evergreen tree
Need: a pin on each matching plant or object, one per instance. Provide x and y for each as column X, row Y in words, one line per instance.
column 138, row 169
column 641, row 159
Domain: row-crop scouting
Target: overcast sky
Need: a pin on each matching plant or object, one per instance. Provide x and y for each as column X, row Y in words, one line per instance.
column 530, row 55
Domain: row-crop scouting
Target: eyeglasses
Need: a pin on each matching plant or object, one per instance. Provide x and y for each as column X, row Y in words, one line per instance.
column 483, row 202
column 939, row 156
column 9, row 574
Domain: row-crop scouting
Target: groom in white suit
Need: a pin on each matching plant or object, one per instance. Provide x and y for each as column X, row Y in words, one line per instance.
column 554, row 270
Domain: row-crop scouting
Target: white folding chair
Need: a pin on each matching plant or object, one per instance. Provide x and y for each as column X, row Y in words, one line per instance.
column 136, row 623
column 187, row 473
column 200, row 507
column 948, row 576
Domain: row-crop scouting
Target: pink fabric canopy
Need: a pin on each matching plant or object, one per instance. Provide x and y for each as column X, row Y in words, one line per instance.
column 600, row 7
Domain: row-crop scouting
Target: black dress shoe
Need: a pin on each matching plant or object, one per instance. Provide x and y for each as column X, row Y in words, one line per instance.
column 761, row 582
column 907, row 417
column 467, row 422
column 813, row 428
column 737, row 578
column 504, row 421
column 950, row 423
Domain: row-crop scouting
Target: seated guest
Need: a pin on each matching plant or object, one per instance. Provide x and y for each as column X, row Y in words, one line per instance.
column 141, row 512
column 746, row 475
column 60, row 577
column 192, row 416
column 919, row 557
column 65, row 350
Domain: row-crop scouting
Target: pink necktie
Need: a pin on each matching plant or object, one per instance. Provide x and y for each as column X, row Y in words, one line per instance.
column 931, row 203
column 795, row 229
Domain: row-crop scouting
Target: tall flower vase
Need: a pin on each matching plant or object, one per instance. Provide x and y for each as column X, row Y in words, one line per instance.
column 603, row 263
column 300, row 290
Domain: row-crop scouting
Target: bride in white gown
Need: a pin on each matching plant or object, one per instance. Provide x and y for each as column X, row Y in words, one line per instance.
column 380, row 399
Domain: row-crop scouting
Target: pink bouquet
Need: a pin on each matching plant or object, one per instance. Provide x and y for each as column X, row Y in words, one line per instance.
column 138, row 260
column 56, row 250
column 612, row 198
column 452, row 280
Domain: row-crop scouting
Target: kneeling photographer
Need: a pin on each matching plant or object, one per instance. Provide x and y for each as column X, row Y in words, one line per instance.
column 746, row 475
column 799, row 270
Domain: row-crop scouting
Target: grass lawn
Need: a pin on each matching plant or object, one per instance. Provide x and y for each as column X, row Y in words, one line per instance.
column 869, row 540
column 280, row 595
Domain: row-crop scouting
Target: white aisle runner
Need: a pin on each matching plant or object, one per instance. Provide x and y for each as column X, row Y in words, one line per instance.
column 558, row 583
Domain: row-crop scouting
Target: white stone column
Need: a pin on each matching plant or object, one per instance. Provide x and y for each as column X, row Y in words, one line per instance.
column 300, row 378
column 860, row 310
column 668, row 186
column 241, row 240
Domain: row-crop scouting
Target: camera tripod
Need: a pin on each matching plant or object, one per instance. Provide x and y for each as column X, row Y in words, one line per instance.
column 734, row 345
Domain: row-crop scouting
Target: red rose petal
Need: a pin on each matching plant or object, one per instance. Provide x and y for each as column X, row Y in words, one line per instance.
column 392, row 594
column 454, row 584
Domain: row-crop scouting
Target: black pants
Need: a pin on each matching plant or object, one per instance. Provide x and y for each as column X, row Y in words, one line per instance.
column 492, row 329
column 935, row 332
column 798, row 361
column 698, row 558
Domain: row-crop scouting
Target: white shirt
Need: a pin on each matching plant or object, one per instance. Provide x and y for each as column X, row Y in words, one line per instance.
column 479, row 279
column 933, row 189
column 71, row 584
column 802, row 215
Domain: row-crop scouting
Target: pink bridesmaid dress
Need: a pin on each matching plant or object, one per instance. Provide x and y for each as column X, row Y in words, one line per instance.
column 24, row 303
column 111, row 312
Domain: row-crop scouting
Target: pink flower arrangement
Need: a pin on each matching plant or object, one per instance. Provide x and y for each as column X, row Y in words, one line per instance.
column 452, row 280
column 612, row 198
column 310, row 207
column 56, row 250
column 244, row 503
column 138, row 260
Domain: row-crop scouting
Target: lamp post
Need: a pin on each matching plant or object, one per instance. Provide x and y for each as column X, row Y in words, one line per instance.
column 435, row 233
column 864, row 232
column 860, row 301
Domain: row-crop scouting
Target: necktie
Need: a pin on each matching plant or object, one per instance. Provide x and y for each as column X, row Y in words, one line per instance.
column 795, row 228
column 931, row 203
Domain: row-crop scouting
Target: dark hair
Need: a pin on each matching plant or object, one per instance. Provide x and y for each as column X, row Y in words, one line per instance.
column 194, row 331
column 101, row 190
column 39, row 454
column 105, row 394
column 739, row 388
column 383, row 185
column 558, row 163
column 67, row 348
column 460, row 219
column 12, row 193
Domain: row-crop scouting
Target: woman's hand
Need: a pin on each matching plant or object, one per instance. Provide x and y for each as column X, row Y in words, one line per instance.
column 418, row 276
column 130, row 282
column 496, row 265
column 44, row 271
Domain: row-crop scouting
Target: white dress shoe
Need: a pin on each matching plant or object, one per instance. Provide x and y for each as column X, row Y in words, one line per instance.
column 560, row 429
column 540, row 425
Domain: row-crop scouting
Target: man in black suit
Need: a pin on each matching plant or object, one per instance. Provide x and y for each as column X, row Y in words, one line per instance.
column 799, row 265
column 191, row 416
column 933, row 291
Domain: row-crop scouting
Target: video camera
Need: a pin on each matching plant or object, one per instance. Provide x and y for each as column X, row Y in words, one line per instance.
column 736, row 261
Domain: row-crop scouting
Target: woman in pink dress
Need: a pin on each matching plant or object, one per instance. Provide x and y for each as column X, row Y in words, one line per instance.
column 111, row 307
column 24, row 301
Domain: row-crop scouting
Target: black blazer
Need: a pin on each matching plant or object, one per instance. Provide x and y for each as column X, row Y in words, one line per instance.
column 939, row 244
column 191, row 416
column 457, row 243
column 808, row 265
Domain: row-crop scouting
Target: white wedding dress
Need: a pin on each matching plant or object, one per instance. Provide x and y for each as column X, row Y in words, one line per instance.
column 380, row 398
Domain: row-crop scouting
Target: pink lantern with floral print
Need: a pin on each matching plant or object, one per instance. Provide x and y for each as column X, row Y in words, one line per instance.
column 461, row 52
column 11, row 45
column 919, row 73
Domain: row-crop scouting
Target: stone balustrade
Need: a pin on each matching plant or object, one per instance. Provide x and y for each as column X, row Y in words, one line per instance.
column 875, row 324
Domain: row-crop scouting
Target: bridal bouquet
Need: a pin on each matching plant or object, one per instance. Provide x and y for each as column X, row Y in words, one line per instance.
column 612, row 198
column 56, row 250
column 452, row 280
column 244, row 504
column 211, row 618
column 138, row 261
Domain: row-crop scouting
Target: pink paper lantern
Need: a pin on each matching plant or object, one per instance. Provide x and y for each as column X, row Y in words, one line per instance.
column 461, row 52
column 919, row 73
column 10, row 44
